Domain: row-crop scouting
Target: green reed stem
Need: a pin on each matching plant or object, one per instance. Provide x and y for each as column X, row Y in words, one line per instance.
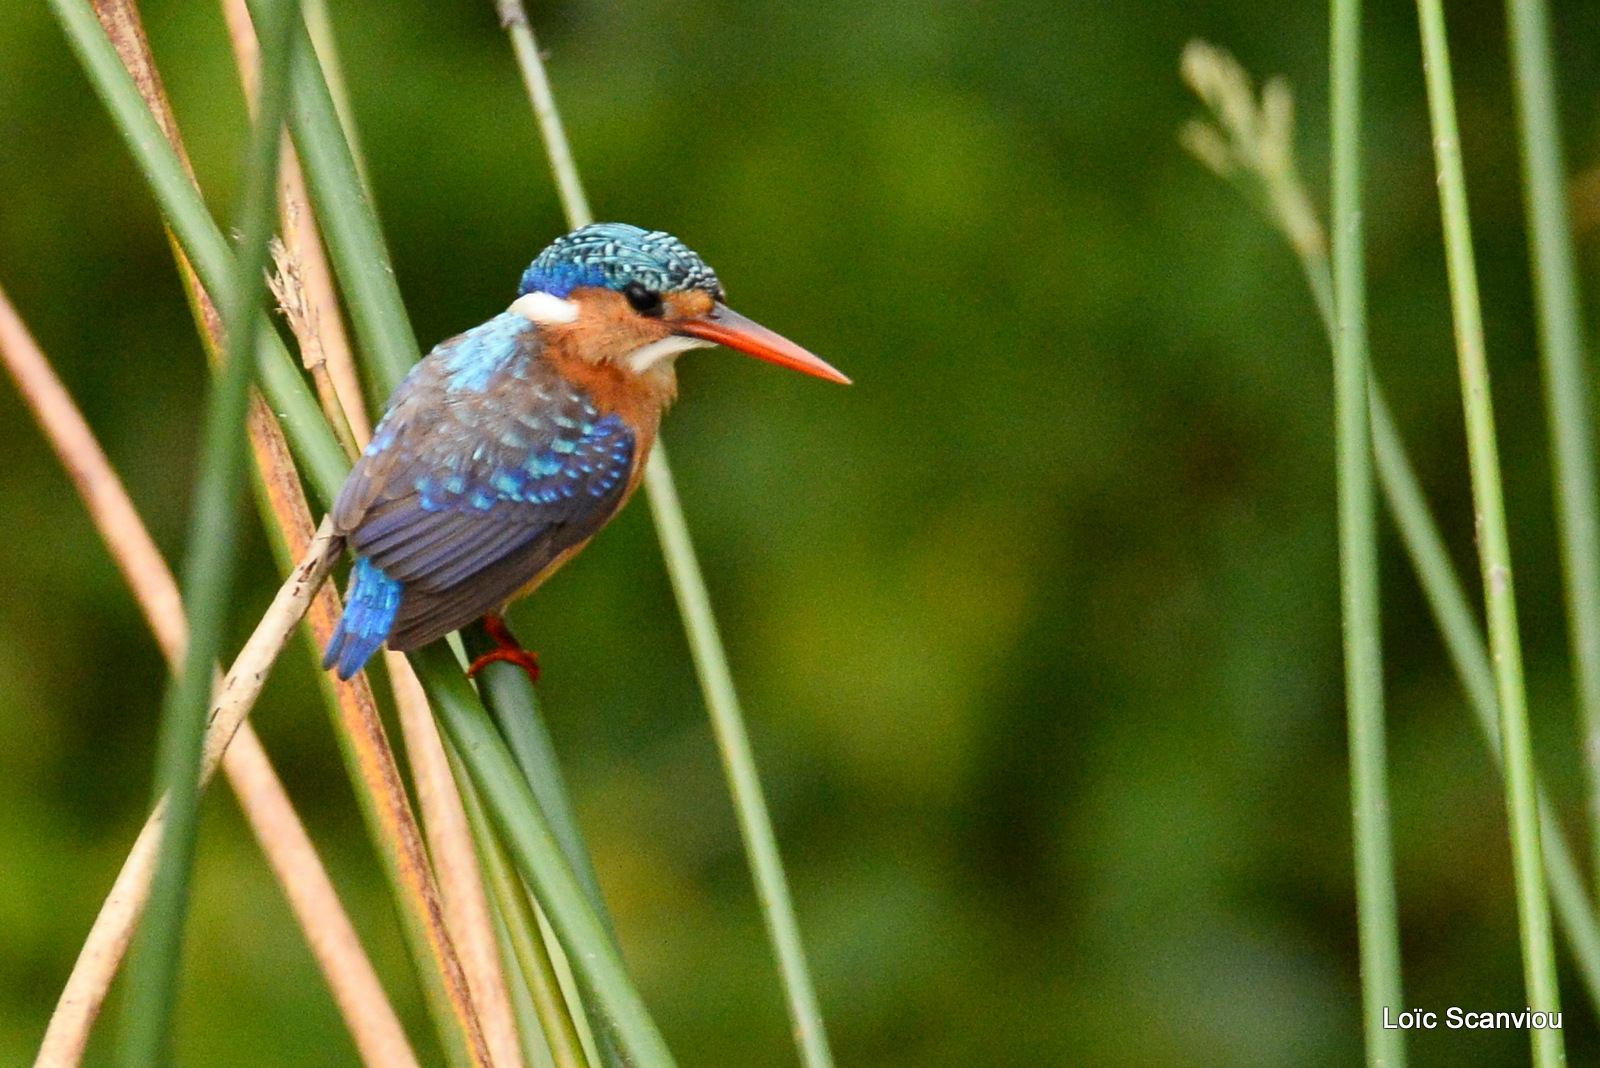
column 1567, row 393
column 530, row 1029
column 739, row 764
column 534, row 78
column 530, row 953
column 320, row 26
column 1377, row 911
column 208, row 569
column 320, row 458
column 512, row 702
column 1494, row 548
column 694, row 605
column 527, row 835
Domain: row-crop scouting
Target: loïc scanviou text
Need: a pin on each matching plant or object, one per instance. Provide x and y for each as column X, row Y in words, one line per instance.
column 1457, row 1018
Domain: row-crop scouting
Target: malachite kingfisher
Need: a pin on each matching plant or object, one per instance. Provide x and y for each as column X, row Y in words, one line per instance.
column 509, row 446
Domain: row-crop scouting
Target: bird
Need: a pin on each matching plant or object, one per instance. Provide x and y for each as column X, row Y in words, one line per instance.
column 511, row 445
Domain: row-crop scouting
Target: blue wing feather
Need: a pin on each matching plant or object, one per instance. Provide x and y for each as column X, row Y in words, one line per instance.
column 369, row 613
column 487, row 466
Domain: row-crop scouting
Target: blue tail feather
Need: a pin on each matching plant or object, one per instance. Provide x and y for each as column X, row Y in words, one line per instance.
column 371, row 605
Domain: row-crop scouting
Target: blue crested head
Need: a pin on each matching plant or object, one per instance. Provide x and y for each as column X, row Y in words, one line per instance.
column 614, row 256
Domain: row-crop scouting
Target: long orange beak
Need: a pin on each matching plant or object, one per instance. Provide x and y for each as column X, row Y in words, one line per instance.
column 727, row 327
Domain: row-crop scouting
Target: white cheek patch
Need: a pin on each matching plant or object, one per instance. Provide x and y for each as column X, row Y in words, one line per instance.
column 645, row 357
column 545, row 308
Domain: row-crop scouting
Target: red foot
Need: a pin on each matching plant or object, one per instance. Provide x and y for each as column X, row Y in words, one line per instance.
column 511, row 650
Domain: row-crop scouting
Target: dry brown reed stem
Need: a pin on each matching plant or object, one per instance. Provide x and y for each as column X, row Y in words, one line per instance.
column 67, row 1034
column 238, row 693
column 303, row 286
column 397, row 833
column 313, row 307
column 332, row 343
column 456, row 862
column 293, row 295
column 379, row 1039
column 378, row 1035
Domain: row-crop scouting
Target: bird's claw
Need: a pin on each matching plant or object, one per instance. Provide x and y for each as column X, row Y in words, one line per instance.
column 510, row 650
column 525, row 660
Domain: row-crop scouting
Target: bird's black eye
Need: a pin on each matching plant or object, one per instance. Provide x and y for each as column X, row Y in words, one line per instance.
column 645, row 300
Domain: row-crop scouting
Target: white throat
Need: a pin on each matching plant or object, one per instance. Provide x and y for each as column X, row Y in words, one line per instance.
column 645, row 357
column 545, row 308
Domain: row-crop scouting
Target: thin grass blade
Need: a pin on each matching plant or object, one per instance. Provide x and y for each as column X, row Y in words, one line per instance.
column 1567, row 391
column 1494, row 548
column 207, row 577
column 733, row 742
column 1376, row 908
column 1448, row 601
column 514, row 17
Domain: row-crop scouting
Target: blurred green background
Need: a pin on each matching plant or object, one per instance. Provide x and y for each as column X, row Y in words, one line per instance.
column 1036, row 625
